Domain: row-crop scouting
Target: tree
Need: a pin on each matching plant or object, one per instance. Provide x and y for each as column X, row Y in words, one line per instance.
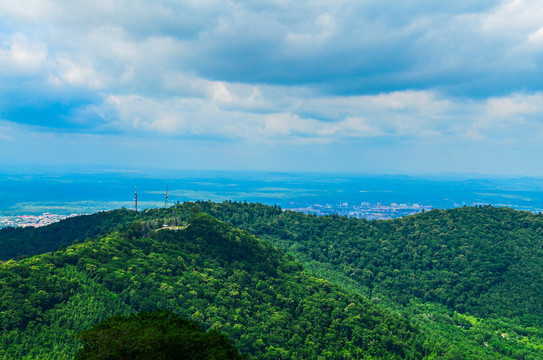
column 159, row 335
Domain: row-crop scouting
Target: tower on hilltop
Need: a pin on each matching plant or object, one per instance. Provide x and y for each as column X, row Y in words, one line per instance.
column 136, row 199
column 166, row 198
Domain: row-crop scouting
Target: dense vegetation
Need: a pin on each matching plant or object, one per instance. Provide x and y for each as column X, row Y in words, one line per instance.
column 16, row 242
column 471, row 277
column 207, row 271
column 479, row 261
column 153, row 335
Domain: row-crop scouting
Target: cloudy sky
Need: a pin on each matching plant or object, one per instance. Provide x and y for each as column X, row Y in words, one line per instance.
column 365, row 86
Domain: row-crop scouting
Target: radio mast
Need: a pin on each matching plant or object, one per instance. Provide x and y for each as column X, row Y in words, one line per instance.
column 166, row 198
column 136, row 199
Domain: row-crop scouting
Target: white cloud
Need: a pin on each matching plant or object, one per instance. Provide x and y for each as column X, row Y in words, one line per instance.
column 223, row 111
column 536, row 37
column 135, row 113
column 7, row 132
column 28, row 10
column 82, row 74
column 515, row 105
column 18, row 54
column 513, row 19
column 322, row 29
column 287, row 124
column 279, row 72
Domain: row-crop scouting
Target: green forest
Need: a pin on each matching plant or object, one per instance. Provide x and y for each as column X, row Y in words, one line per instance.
column 154, row 335
column 464, row 283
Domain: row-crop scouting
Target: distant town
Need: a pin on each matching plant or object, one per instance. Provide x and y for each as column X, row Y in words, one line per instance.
column 32, row 220
column 364, row 210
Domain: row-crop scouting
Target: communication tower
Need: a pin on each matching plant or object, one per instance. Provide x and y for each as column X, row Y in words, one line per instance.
column 166, row 198
column 136, row 199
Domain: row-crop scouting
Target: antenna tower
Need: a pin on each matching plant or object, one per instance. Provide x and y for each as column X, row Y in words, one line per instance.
column 136, row 199
column 166, row 198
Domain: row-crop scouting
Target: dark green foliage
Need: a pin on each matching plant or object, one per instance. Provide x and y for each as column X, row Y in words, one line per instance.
column 472, row 278
column 15, row 242
column 484, row 261
column 27, row 291
column 24, row 242
column 159, row 335
column 216, row 275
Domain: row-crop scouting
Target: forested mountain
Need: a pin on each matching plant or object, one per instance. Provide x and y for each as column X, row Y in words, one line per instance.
column 471, row 278
column 15, row 242
column 453, row 264
column 207, row 271
column 480, row 260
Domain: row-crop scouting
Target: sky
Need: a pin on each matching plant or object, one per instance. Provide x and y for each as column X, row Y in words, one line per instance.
column 365, row 86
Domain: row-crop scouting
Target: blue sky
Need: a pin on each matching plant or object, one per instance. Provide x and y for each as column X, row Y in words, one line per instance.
column 408, row 87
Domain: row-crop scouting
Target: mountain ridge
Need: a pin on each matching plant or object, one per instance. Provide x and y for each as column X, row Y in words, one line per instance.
column 208, row 271
column 464, row 276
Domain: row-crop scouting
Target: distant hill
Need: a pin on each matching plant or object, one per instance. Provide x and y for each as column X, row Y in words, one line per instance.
column 204, row 270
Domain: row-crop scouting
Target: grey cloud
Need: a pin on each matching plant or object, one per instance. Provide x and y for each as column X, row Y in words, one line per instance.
column 343, row 79
column 479, row 48
column 313, row 61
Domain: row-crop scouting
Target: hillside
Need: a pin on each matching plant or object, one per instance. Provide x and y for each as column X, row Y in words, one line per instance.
column 470, row 277
column 15, row 242
column 207, row 271
column 485, row 261
column 454, row 264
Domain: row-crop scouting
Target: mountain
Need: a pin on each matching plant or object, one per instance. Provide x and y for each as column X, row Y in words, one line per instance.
column 15, row 242
column 470, row 278
column 485, row 261
column 205, row 270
